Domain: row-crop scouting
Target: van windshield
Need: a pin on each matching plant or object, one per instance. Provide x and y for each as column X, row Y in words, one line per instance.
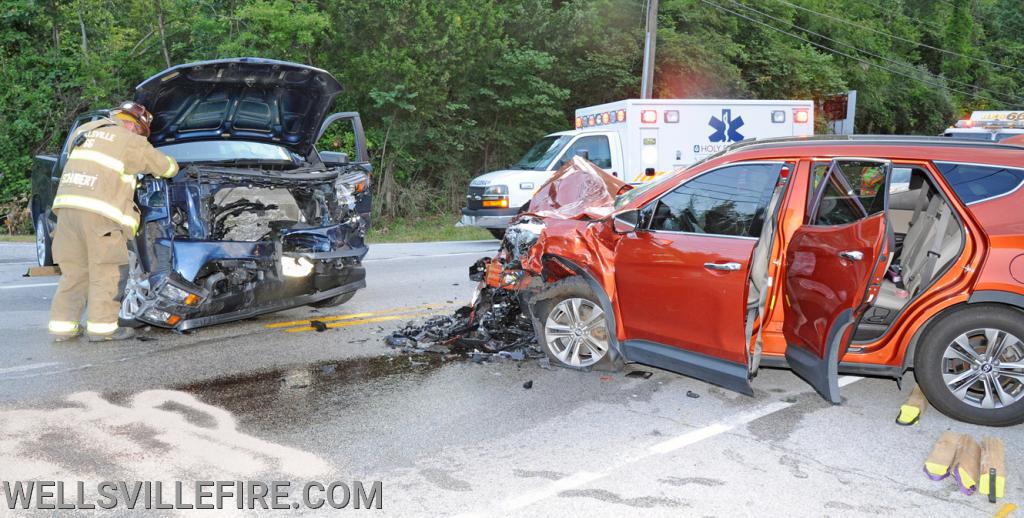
column 539, row 157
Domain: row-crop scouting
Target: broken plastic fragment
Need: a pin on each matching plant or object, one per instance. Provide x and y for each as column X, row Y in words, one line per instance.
column 528, row 385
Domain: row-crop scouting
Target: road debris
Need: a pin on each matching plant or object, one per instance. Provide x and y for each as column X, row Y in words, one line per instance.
column 494, row 327
column 640, row 374
column 692, row 394
column 528, row 385
column 318, row 325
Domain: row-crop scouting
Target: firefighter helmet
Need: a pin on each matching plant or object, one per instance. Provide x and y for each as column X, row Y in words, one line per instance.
column 135, row 114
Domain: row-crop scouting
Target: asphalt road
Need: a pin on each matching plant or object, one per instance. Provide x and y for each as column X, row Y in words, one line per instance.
column 270, row 399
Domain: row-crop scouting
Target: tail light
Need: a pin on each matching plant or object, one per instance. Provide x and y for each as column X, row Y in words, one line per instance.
column 649, row 116
column 801, row 115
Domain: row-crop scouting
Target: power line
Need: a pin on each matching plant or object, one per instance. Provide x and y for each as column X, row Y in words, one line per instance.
column 1012, row 97
column 893, row 36
column 844, row 54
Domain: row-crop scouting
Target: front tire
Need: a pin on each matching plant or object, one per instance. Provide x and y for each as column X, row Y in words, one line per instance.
column 573, row 329
column 970, row 365
column 44, row 244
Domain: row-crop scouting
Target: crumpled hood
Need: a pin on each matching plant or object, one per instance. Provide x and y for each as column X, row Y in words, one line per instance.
column 239, row 98
column 578, row 190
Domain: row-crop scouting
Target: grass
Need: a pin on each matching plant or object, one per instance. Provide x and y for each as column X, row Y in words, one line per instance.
column 439, row 227
column 17, row 238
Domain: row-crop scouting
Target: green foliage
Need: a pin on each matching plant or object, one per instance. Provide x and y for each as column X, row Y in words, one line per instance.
column 452, row 88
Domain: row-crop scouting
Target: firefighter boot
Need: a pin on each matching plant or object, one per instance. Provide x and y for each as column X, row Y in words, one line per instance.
column 122, row 333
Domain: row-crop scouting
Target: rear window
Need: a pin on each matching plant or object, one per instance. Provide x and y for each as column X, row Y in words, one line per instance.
column 973, row 183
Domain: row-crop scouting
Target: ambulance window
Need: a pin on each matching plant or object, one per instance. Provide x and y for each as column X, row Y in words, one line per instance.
column 973, row 183
column 730, row 201
column 597, row 150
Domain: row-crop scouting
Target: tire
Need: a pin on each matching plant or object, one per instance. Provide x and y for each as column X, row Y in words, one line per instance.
column 587, row 338
column 498, row 233
column 336, row 300
column 940, row 359
column 44, row 244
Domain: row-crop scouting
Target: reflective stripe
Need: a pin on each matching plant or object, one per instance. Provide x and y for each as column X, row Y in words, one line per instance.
column 74, row 201
column 63, row 326
column 99, row 328
column 98, row 158
column 172, row 168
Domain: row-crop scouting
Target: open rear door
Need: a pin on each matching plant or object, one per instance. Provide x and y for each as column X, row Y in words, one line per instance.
column 835, row 263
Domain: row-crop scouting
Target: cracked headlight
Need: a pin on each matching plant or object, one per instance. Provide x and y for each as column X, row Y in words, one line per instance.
column 350, row 185
column 521, row 236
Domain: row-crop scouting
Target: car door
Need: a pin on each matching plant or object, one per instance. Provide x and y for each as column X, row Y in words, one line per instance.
column 681, row 279
column 834, row 265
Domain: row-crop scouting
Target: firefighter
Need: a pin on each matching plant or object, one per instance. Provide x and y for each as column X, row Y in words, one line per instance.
column 96, row 215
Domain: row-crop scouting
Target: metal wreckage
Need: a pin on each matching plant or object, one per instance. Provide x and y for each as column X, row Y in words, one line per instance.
column 517, row 284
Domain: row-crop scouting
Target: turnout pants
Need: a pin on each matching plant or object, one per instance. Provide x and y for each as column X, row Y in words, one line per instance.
column 92, row 252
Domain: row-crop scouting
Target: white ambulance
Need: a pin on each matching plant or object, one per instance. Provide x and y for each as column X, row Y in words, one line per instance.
column 988, row 125
column 637, row 140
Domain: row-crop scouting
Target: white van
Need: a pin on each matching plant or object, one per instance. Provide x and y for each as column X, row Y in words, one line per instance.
column 988, row 125
column 635, row 139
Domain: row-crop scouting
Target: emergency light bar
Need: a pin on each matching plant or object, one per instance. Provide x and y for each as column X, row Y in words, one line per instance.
column 601, row 119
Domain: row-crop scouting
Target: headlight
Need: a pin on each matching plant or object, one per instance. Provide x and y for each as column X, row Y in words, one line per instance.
column 348, row 186
column 496, row 197
column 179, row 295
column 496, row 190
column 521, row 236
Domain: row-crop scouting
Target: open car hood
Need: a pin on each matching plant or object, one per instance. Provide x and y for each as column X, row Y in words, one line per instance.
column 579, row 190
column 239, row 98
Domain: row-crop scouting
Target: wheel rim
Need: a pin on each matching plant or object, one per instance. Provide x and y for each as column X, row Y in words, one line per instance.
column 41, row 242
column 985, row 368
column 576, row 332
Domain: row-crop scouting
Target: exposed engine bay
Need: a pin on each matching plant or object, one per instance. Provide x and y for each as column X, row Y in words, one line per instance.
column 221, row 243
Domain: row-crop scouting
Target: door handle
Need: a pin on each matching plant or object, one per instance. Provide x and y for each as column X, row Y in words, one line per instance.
column 724, row 267
column 852, row 255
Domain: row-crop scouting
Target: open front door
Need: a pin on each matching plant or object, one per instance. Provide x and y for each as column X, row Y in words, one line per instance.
column 835, row 263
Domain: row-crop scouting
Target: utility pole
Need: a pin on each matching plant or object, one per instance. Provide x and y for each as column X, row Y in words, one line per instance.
column 650, row 39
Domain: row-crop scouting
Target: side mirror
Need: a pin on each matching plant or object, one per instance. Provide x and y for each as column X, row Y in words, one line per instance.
column 626, row 222
column 333, row 158
column 583, row 153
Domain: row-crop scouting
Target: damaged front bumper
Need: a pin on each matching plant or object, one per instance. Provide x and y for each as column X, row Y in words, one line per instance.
column 213, row 282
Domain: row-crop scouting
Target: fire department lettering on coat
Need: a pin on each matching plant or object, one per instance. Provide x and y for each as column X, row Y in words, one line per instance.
column 79, row 179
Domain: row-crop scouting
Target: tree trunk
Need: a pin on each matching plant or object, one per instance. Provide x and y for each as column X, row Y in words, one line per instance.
column 81, row 25
column 163, row 36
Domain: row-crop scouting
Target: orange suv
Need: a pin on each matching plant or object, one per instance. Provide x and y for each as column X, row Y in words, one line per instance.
column 861, row 255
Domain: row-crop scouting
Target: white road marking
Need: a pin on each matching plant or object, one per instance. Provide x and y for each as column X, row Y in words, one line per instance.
column 20, row 286
column 582, row 478
column 28, row 367
column 846, row 380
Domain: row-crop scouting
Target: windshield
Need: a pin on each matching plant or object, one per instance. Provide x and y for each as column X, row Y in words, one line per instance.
column 635, row 193
column 539, row 157
column 229, row 150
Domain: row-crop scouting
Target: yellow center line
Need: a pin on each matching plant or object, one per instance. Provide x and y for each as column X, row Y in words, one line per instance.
column 348, row 323
column 331, row 318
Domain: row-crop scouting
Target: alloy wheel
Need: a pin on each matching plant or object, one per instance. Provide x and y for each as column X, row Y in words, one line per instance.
column 576, row 332
column 985, row 368
column 40, row 241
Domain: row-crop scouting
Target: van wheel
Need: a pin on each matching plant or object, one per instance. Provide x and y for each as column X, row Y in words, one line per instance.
column 498, row 233
column 573, row 329
column 970, row 365
column 44, row 244
column 336, row 300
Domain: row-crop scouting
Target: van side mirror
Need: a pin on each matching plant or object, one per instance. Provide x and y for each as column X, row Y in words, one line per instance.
column 583, row 153
column 626, row 222
column 333, row 158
